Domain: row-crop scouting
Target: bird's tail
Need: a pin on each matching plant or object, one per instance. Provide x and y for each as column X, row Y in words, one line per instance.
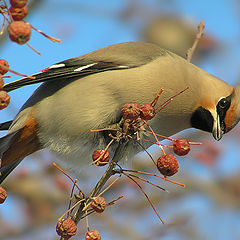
column 17, row 145
column 5, row 144
column 5, row 126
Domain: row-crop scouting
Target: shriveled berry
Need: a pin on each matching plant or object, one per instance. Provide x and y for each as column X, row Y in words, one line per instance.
column 4, row 63
column 103, row 156
column 147, row 112
column 1, row 82
column 130, row 111
column 98, row 204
column 93, row 235
column 4, row 99
column 18, row 3
column 181, row 147
column 167, row 165
column 66, row 228
column 3, row 195
column 18, row 13
column 19, row 31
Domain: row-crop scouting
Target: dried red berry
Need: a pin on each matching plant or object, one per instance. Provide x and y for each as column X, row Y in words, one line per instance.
column 66, row 228
column 4, row 99
column 18, row 13
column 93, row 235
column 4, row 63
column 130, row 111
column 19, row 31
column 104, row 159
column 167, row 165
column 1, row 82
column 98, row 204
column 3, row 195
column 18, row 3
column 181, row 147
column 147, row 112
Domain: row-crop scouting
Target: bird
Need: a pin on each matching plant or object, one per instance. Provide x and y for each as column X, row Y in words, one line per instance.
column 88, row 92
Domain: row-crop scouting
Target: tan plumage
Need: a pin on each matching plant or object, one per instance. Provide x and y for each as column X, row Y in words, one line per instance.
column 88, row 92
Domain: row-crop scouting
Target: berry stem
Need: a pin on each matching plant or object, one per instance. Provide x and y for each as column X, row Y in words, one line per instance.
column 147, row 152
column 164, row 104
column 163, row 145
column 145, row 180
column 71, row 195
column 87, row 223
column 159, row 135
column 33, row 49
column 101, row 193
column 86, row 206
column 154, row 135
column 105, row 149
column 45, row 35
column 103, row 129
column 61, row 170
column 154, row 209
column 155, row 100
column 70, row 209
column 154, row 175
column 114, row 201
column 17, row 73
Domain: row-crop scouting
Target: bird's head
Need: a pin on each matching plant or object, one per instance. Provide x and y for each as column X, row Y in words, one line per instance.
column 220, row 117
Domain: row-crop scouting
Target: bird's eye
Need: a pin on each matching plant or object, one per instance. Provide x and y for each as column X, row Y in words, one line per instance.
column 223, row 103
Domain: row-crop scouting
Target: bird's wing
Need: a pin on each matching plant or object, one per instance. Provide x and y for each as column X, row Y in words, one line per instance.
column 115, row 57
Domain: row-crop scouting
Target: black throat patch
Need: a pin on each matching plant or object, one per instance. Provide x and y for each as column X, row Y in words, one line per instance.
column 202, row 119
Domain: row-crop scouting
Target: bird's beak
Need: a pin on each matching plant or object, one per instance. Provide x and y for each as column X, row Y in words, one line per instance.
column 217, row 129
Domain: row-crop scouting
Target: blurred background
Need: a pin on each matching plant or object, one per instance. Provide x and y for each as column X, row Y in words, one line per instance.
column 209, row 206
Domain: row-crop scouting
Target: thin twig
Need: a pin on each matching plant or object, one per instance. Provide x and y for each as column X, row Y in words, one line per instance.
column 36, row 51
column 108, row 173
column 45, row 35
column 154, row 209
column 87, row 205
column 17, row 73
column 153, row 175
column 114, row 201
column 148, row 153
column 71, row 195
column 164, row 104
column 154, row 135
column 145, row 180
column 199, row 34
column 70, row 209
column 61, row 170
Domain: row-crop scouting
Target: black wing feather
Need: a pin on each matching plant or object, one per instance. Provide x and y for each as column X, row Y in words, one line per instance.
column 66, row 72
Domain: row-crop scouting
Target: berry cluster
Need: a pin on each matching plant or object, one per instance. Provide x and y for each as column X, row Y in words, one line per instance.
column 168, row 164
column 136, row 117
column 66, row 228
column 4, row 97
column 131, row 111
column 19, row 30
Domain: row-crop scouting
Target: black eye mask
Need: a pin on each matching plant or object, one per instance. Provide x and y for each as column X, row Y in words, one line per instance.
column 222, row 107
column 202, row 119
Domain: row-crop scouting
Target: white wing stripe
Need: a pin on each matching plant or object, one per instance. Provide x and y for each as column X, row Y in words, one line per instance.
column 84, row 67
column 57, row 65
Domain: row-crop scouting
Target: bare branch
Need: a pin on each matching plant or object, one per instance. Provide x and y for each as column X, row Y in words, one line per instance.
column 191, row 50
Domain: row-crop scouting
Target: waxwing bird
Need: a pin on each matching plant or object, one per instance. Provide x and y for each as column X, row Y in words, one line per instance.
column 88, row 92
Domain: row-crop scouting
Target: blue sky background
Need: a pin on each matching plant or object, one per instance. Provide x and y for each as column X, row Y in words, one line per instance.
column 85, row 26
